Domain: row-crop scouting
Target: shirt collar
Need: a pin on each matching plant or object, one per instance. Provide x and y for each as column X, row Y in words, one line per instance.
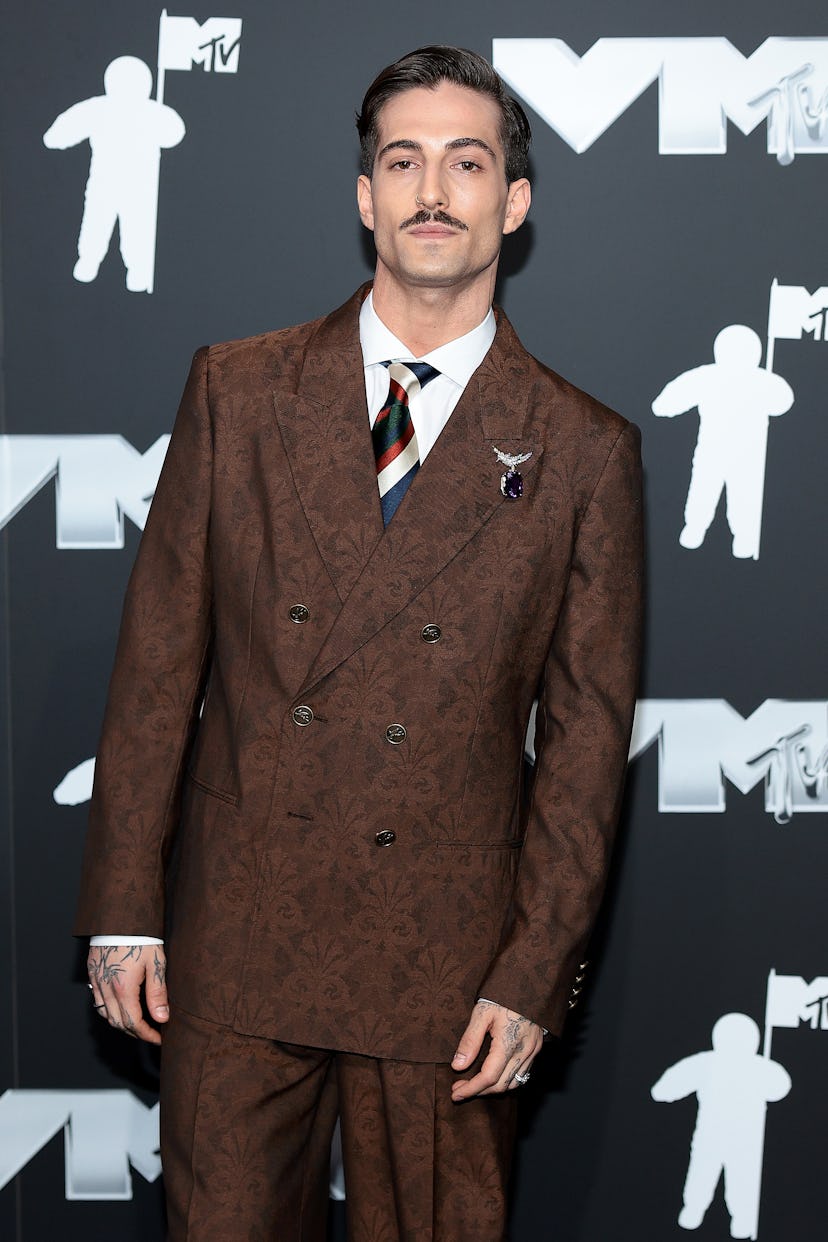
column 459, row 359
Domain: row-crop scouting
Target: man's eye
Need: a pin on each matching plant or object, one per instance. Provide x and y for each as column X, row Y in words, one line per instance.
column 403, row 164
column 468, row 165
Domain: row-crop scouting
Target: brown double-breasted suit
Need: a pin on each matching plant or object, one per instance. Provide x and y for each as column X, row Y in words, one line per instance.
column 340, row 883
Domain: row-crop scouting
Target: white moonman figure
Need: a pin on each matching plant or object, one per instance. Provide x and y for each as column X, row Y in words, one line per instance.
column 733, row 1085
column 127, row 130
column 735, row 397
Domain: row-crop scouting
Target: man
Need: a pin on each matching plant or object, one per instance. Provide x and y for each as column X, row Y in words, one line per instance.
column 368, row 915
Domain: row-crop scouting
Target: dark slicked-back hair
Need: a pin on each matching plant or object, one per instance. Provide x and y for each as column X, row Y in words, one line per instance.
column 428, row 67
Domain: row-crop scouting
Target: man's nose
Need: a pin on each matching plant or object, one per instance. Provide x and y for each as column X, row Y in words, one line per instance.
column 432, row 193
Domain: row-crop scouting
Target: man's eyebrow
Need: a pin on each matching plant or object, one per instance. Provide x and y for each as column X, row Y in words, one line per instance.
column 456, row 144
column 400, row 144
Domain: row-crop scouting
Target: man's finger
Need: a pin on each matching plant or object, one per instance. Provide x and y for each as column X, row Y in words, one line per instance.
column 123, row 1007
column 490, row 1072
column 512, row 1080
column 156, row 987
column 472, row 1038
column 95, row 994
column 132, row 1022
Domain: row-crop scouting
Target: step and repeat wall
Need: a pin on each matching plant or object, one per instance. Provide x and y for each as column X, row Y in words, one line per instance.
column 173, row 179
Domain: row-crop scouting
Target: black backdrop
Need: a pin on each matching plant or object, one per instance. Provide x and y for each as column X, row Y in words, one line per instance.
column 631, row 264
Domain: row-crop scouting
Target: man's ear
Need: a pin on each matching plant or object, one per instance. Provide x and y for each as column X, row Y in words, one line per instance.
column 365, row 201
column 517, row 205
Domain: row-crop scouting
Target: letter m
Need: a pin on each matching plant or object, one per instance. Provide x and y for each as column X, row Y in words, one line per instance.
column 104, row 1133
column 704, row 742
column 703, row 83
column 99, row 480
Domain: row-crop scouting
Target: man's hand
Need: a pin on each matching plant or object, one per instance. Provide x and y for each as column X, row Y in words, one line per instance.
column 116, row 973
column 516, row 1041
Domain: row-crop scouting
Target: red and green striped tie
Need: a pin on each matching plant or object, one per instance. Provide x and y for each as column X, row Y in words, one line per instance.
column 395, row 441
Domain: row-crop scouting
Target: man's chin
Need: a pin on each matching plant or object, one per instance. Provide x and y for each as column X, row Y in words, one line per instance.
column 432, row 276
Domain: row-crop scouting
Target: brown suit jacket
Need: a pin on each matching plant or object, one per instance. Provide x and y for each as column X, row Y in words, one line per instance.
column 289, row 919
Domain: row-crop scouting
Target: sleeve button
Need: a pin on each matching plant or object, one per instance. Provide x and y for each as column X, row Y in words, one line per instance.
column 299, row 614
column 431, row 633
column 386, row 837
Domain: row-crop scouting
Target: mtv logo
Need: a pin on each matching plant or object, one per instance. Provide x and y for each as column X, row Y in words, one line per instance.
column 98, row 481
column 703, row 83
column 703, row 742
column 214, row 44
column 104, row 1133
column 791, row 1001
column 794, row 312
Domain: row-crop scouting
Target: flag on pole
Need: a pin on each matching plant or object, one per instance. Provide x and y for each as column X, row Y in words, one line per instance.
column 794, row 312
column 791, row 1001
column 184, row 42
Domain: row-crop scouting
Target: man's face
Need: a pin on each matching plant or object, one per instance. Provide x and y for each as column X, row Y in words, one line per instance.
column 438, row 201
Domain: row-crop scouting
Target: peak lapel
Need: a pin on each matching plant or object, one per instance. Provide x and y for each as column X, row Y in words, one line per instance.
column 455, row 492
column 328, row 444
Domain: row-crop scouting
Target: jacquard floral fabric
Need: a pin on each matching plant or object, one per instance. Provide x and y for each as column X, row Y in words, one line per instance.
column 251, row 833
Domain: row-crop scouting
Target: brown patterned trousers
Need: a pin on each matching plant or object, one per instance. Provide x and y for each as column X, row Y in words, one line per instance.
column 246, row 1127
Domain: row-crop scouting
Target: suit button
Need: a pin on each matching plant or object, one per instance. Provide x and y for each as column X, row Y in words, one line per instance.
column 299, row 614
column 302, row 715
column 395, row 734
column 431, row 633
column 387, row 837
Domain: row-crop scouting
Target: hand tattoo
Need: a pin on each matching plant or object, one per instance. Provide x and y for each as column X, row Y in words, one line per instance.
column 159, row 968
column 514, row 1034
column 103, row 964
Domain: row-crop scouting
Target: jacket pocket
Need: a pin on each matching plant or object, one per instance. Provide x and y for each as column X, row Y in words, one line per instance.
column 213, row 790
column 477, row 847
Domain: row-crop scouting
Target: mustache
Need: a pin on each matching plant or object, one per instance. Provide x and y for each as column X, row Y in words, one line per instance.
column 434, row 217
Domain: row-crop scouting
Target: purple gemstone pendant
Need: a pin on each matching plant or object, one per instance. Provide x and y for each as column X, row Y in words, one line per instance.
column 511, row 484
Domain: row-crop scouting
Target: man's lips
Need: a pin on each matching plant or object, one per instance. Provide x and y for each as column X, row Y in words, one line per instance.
column 432, row 230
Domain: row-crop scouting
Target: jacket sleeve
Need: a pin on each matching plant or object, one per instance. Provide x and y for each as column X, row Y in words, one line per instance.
column 584, row 722
column 156, row 687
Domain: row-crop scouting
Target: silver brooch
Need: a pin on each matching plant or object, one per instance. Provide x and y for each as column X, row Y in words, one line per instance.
column 511, row 483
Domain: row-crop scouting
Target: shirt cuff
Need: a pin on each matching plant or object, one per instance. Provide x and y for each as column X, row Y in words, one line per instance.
column 102, row 941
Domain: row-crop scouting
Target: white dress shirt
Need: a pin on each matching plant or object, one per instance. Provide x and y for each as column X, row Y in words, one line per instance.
column 430, row 408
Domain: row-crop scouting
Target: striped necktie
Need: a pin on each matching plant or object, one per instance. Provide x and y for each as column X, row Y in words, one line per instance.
column 395, row 442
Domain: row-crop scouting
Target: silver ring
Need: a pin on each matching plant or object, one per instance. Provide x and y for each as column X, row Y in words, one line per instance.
column 522, row 1078
column 89, row 985
column 98, row 1008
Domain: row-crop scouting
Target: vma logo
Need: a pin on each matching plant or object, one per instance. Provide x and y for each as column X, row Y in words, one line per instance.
column 703, row 83
column 127, row 130
column 98, row 481
column 104, row 1133
column 704, row 742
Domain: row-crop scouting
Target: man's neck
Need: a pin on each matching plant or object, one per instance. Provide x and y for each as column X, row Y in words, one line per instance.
column 424, row 319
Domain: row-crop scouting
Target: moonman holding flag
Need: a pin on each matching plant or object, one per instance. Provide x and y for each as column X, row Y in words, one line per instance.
column 127, row 131
column 376, row 540
column 735, row 397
